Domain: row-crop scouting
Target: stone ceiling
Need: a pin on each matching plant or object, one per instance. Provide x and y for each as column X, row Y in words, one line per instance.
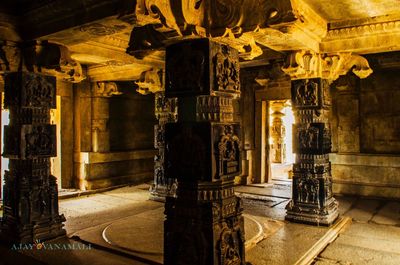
column 341, row 10
column 97, row 32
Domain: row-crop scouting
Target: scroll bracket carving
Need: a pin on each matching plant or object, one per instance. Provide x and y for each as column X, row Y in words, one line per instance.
column 307, row 64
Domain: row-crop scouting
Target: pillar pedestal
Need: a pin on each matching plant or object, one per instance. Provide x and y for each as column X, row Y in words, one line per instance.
column 312, row 200
column 204, row 223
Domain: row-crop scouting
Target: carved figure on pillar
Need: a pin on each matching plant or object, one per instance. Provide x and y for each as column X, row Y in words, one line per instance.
column 30, row 192
column 204, row 223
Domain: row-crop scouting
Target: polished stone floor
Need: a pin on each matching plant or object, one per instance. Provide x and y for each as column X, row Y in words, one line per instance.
column 122, row 226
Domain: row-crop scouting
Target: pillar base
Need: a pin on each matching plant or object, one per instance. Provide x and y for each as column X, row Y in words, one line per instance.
column 12, row 233
column 204, row 232
column 159, row 192
column 311, row 214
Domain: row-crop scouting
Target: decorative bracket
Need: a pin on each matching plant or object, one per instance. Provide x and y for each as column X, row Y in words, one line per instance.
column 308, row 64
column 105, row 89
column 40, row 57
column 150, row 82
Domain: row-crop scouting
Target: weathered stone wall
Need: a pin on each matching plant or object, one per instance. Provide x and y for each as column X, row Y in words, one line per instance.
column 114, row 143
column 366, row 131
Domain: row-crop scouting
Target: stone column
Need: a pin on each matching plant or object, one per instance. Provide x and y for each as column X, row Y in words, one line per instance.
column 312, row 73
column 204, row 223
column 278, row 132
column 101, row 92
column 312, row 200
column 166, row 111
column 30, row 191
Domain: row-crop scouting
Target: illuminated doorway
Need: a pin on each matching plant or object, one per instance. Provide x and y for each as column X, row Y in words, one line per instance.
column 55, row 118
column 281, row 120
column 4, row 161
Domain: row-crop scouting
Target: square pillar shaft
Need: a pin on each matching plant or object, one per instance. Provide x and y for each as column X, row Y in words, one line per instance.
column 30, row 191
column 312, row 200
column 204, row 223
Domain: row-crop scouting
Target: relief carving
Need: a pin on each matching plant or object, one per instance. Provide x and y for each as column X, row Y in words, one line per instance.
column 313, row 138
column 229, row 247
column 214, row 108
column 226, row 71
column 166, row 109
column 306, row 93
column 98, row 29
column 39, row 141
column 29, row 90
column 228, row 152
column 38, row 91
column 308, row 190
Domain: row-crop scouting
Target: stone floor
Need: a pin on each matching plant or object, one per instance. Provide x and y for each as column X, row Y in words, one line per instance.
column 372, row 238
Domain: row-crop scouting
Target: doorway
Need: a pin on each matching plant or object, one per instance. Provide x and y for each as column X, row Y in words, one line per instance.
column 281, row 157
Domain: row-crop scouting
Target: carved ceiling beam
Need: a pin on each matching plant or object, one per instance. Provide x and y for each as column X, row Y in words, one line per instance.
column 366, row 38
column 308, row 64
column 278, row 24
column 50, row 17
column 117, row 71
column 151, row 81
column 39, row 56
column 91, row 31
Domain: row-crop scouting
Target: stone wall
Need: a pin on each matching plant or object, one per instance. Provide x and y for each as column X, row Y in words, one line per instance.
column 366, row 131
column 65, row 91
column 114, row 143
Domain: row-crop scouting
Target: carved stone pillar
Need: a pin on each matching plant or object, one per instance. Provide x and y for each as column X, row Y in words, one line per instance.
column 165, row 111
column 312, row 74
column 278, row 132
column 312, row 200
column 204, row 223
column 30, row 191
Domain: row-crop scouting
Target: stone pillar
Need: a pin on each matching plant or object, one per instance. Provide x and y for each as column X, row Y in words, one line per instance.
column 166, row 111
column 312, row 73
column 204, row 223
column 101, row 92
column 30, row 192
column 278, row 132
column 312, row 200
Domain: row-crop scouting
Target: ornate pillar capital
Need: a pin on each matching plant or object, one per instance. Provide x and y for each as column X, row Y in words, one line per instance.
column 308, row 64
